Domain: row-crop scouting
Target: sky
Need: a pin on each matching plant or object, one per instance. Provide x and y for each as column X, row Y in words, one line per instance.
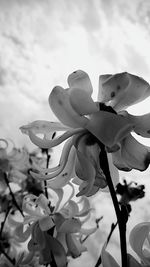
column 42, row 42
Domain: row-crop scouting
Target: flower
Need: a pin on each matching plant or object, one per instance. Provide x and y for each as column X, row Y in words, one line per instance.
column 140, row 242
column 53, row 231
column 92, row 129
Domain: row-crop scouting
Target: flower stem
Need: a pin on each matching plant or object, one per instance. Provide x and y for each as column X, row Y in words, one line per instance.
column 12, row 261
column 119, row 214
column 12, row 195
column 47, row 164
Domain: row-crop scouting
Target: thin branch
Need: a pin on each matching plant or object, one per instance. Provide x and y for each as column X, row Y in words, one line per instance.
column 12, row 195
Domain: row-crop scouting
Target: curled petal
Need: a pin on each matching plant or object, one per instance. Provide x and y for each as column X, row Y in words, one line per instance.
column 20, row 234
column 43, row 202
column 68, row 172
column 141, row 123
column 134, row 154
column 46, row 144
column 137, row 237
column 59, row 101
column 122, row 90
column 85, row 171
column 119, row 162
column 59, row 169
column 41, row 126
column 82, row 102
column 80, row 79
column 75, row 248
column 107, row 259
column 109, row 128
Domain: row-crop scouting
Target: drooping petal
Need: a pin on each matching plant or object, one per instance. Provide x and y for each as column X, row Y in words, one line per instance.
column 54, row 246
column 137, row 237
column 82, row 102
column 75, row 248
column 109, row 128
column 46, row 144
column 122, row 90
column 135, row 154
column 80, row 79
column 107, row 259
column 54, row 172
column 68, row 172
column 41, row 126
column 59, row 101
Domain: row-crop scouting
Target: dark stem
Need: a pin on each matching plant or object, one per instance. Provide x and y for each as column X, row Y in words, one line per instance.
column 47, row 164
column 113, row 226
column 120, row 219
column 12, row 195
column 3, row 223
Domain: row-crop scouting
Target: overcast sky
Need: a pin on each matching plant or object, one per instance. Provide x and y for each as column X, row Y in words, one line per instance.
column 41, row 42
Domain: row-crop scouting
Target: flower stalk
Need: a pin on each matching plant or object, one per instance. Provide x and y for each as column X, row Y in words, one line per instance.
column 121, row 220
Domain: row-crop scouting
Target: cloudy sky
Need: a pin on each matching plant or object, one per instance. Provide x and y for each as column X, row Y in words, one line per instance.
column 41, row 42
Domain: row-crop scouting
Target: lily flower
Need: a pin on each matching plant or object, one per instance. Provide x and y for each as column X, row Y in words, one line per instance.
column 53, row 230
column 92, row 129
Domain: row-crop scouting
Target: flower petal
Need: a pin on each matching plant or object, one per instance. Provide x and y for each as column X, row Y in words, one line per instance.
column 141, row 123
column 123, row 90
column 41, row 126
column 137, row 238
column 80, row 79
column 134, row 154
column 107, row 259
column 46, row 223
column 82, row 102
column 46, row 144
column 119, row 162
column 75, row 248
column 68, row 172
column 132, row 262
column 109, row 128
column 71, row 225
column 59, row 101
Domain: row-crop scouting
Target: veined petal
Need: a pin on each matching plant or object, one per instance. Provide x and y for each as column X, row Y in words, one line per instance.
column 107, row 259
column 75, row 248
column 134, row 154
column 80, row 79
column 82, row 102
column 137, row 237
column 59, row 101
column 41, row 126
column 109, row 128
column 44, row 143
column 122, row 90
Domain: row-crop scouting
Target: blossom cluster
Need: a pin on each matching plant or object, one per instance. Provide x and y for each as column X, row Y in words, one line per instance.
column 98, row 143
